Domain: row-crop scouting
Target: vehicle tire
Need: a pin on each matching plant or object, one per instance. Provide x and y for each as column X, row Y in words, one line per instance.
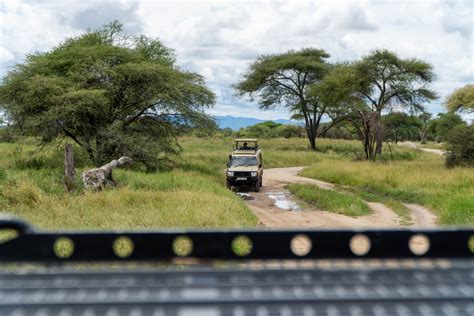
column 228, row 185
column 257, row 186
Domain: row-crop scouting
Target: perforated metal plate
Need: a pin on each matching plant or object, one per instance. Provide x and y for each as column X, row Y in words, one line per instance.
column 412, row 291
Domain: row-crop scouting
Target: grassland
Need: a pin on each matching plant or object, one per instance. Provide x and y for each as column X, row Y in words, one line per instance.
column 433, row 145
column 329, row 200
column 194, row 195
column 179, row 198
column 448, row 192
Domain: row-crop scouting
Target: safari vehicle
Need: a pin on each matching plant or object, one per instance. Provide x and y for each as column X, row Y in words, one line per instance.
column 245, row 166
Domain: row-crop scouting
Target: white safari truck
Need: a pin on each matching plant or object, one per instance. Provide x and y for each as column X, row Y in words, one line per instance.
column 245, row 166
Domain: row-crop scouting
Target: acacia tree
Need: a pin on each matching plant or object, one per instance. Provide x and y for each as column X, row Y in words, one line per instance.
column 399, row 126
column 112, row 95
column 461, row 99
column 424, row 127
column 382, row 81
column 285, row 80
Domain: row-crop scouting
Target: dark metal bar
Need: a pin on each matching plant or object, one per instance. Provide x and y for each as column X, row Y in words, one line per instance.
column 36, row 246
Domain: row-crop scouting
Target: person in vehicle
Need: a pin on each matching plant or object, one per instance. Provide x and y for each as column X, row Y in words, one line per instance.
column 245, row 147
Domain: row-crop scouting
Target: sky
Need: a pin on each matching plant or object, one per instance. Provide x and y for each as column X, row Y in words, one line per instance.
column 219, row 39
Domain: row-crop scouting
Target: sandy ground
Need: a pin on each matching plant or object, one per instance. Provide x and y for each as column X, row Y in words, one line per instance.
column 429, row 150
column 275, row 180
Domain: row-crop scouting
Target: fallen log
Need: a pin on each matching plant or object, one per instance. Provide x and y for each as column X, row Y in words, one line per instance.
column 98, row 178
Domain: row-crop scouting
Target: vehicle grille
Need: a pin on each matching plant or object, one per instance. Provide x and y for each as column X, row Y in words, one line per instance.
column 241, row 174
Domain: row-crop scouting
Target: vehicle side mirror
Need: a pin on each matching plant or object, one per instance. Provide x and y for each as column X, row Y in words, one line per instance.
column 230, row 157
column 227, row 164
column 260, row 165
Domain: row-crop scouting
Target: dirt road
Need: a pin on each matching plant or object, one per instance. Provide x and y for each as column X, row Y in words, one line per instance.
column 268, row 205
column 416, row 146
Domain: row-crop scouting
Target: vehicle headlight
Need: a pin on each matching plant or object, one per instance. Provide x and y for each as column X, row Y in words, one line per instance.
column 253, row 173
column 230, row 173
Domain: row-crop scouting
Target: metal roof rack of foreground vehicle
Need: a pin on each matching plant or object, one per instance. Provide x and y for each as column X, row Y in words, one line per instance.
column 354, row 272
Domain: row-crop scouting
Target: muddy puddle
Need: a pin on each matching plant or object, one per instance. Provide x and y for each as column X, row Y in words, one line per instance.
column 246, row 196
column 282, row 201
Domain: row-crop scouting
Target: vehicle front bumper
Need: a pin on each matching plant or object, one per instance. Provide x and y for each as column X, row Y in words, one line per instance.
column 242, row 181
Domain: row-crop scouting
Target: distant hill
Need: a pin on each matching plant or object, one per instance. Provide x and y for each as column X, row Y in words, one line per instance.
column 235, row 122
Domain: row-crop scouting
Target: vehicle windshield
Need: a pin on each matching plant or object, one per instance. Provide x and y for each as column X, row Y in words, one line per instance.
column 243, row 161
column 246, row 145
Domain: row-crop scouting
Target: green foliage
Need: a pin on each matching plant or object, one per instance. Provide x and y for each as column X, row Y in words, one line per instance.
column 256, row 131
column 285, row 80
column 342, row 131
column 269, row 124
column 461, row 99
column 330, row 200
column 445, row 122
column 227, row 132
column 399, row 126
column 112, row 95
column 289, row 131
column 460, row 146
column 7, row 135
column 270, row 129
column 379, row 81
column 384, row 80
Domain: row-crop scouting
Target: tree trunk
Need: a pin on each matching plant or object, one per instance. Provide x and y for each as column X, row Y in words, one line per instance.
column 311, row 131
column 69, row 171
column 311, row 138
column 378, row 133
column 312, row 143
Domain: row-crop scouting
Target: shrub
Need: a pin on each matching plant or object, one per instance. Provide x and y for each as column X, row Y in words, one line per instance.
column 6, row 135
column 22, row 192
column 289, row 131
column 460, row 147
column 50, row 157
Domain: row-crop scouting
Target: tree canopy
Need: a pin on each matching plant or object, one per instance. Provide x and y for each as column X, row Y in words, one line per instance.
column 461, row 99
column 399, row 126
column 379, row 81
column 112, row 94
column 285, row 80
column 445, row 122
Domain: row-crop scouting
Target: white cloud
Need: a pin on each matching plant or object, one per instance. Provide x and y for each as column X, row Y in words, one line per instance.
column 220, row 38
column 5, row 55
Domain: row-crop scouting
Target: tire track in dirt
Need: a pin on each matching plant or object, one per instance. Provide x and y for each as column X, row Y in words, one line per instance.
column 413, row 145
column 275, row 180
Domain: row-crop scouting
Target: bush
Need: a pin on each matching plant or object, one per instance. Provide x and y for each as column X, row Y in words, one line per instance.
column 338, row 132
column 289, row 131
column 50, row 157
column 22, row 192
column 6, row 135
column 460, row 147
column 271, row 129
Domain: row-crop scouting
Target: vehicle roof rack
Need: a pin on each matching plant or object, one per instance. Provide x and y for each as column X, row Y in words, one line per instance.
column 419, row 287
column 32, row 245
column 246, row 140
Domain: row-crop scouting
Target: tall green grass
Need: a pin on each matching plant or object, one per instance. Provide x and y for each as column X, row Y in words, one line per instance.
column 194, row 195
column 449, row 192
column 330, row 200
column 181, row 198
